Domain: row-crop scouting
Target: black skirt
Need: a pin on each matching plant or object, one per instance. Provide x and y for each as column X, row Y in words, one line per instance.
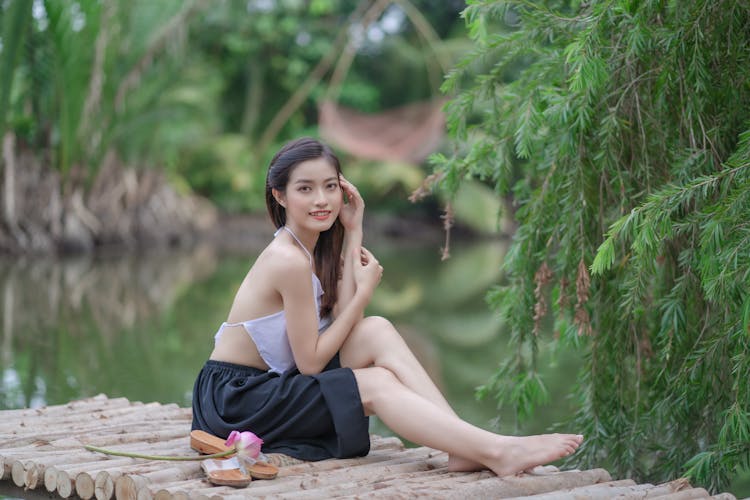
column 310, row 417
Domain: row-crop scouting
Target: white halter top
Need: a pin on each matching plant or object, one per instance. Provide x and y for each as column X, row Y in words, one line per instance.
column 269, row 332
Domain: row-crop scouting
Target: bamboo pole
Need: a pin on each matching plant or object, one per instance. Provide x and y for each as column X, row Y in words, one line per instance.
column 167, row 433
column 86, row 432
column 236, row 496
column 687, row 494
column 93, row 407
column 150, row 411
column 86, row 481
column 439, row 484
column 48, row 458
column 31, row 457
column 65, row 484
column 177, row 472
column 163, row 494
column 104, row 486
column 626, row 488
column 660, row 490
column 374, row 457
column 203, row 488
column 18, row 472
column 385, row 443
column 178, row 445
column 410, row 477
column 325, row 479
column 87, row 429
column 79, row 405
column 529, row 485
column 50, row 479
column 37, row 447
column 194, row 487
column 144, row 494
column 127, row 486
column 180, row 495
column 312, row 479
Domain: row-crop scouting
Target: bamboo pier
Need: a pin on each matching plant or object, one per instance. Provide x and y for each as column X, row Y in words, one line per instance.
column 42, row 455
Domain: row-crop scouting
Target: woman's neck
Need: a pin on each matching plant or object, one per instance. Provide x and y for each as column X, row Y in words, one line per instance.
column 307, row 238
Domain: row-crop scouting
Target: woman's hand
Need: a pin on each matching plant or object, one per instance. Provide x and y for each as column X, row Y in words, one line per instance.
column 367, row 269
column 353, row 209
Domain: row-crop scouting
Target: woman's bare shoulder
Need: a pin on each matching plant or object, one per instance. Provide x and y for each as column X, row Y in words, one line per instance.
column 283, row 261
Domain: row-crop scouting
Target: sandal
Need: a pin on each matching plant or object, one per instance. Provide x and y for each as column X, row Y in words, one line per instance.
column 225, row 473
column 203, row 442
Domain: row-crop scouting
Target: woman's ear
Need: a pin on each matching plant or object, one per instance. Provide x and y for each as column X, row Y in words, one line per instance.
column 279, row 196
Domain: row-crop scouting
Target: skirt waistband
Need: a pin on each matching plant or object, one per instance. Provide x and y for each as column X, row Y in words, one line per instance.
column 225, row 365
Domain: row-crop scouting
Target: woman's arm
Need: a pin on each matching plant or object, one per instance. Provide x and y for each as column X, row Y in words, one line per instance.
column 347, row 287
column 312, row 351
column 351, row 216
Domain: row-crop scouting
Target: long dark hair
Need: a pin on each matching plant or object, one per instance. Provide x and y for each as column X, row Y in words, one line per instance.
column 327, row 252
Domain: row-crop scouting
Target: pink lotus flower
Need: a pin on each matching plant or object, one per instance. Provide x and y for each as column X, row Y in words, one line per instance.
column 247, row 445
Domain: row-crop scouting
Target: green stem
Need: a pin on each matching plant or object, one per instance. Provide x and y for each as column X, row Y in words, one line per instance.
column 158, row 457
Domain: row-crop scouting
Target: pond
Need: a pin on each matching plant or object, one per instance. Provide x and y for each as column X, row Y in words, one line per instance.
column 142, row 326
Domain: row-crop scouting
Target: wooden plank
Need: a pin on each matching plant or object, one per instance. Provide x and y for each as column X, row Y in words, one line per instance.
column 43, row 452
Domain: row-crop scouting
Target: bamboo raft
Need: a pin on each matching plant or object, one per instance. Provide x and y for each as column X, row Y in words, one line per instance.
column 42, row 456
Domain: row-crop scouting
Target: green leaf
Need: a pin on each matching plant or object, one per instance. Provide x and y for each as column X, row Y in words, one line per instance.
column 605, row 256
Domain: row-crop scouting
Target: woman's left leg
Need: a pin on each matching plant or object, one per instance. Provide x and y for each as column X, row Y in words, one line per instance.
column 374, row 341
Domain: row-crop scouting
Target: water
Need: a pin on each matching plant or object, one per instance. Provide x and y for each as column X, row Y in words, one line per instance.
column 141, row 327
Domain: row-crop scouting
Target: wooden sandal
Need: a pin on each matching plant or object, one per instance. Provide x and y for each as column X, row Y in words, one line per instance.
column 208, row 444
column 225, row 473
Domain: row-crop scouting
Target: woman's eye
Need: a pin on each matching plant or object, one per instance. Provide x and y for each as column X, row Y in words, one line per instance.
column 304, row 189
column 333, row 185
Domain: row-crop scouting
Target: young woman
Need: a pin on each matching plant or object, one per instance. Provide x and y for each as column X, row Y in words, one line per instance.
column 298, row 364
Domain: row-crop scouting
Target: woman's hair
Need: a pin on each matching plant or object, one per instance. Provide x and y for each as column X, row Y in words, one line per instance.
column 327, row 252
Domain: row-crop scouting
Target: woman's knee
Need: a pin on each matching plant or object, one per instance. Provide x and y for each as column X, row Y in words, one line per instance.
column 374, row 383
column 383, row 332
column 370, row 334
column 371, row 342
column 375, row 324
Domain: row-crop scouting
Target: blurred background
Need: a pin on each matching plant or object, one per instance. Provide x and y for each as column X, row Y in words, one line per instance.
column 136, row 138
column 143, row 124
column 135, row 141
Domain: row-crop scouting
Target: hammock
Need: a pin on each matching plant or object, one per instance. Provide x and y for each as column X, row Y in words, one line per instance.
column 407, row 133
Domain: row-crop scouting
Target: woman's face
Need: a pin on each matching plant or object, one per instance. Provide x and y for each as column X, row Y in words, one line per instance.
column 313, row 196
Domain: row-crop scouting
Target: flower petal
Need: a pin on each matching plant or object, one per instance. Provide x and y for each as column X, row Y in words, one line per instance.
column 234, row 436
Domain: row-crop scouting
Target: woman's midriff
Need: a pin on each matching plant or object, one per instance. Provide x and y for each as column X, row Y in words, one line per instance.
column 236, row 346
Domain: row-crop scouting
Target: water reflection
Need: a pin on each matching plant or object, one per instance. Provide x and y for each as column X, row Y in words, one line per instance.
column 141, row 327
column 69, row 325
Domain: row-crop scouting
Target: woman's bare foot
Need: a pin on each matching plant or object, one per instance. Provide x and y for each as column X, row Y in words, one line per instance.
column 516, row 454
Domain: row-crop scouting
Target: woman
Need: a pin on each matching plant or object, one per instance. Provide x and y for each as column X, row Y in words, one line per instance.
column 298, row 364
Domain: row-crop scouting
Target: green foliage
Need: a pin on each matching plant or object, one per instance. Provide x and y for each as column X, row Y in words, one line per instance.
column 619, row 129
column 13, row 22
column 92, row 78
column 168, row 84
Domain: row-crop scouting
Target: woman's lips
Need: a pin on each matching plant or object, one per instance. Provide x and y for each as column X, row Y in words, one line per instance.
column 321, row 214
